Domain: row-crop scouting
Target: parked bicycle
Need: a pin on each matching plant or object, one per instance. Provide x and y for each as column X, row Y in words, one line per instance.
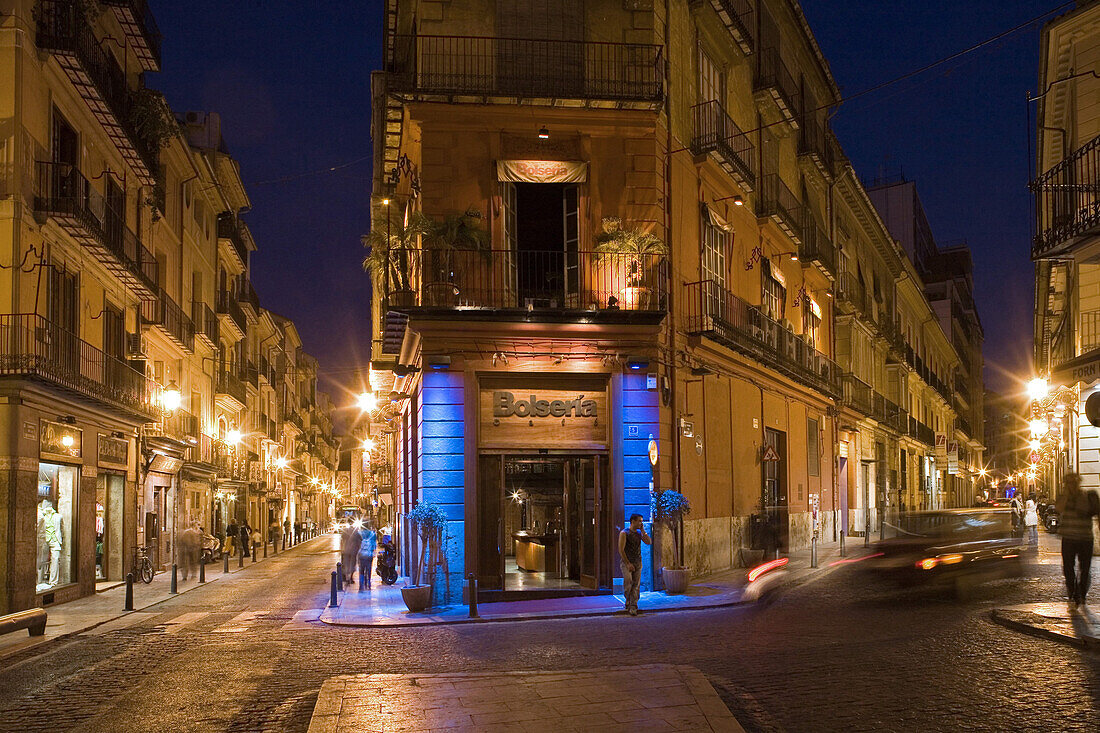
column 143, row 566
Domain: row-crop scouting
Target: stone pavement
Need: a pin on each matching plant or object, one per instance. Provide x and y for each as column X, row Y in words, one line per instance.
column 1061, row 622
column 383, row 606
column 106, row 606
column 658, row 697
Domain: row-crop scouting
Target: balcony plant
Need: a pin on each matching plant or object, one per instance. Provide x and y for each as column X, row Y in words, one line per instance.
column 390, row 259
column 455, row 233
column 667, row 509
column 627, row 256
column 429, row 523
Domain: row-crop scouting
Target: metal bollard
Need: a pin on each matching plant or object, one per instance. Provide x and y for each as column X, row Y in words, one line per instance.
column 340, row 572
column 225, row 562
column 255, row 550
column 240, row 558
column 172, row 587
column 473, row 596
column 284, row 541
column 202, row 570
column 813, row 552
column 265, row 551
column 129, row 604
column 843, row 552
column 332, row 592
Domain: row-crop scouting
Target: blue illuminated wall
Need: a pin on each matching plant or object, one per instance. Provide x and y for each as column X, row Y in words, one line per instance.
column 640, row 419
column 440, row 467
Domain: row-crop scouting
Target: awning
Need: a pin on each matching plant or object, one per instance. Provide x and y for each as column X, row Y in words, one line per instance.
column 1084, row 369
column 542, row 171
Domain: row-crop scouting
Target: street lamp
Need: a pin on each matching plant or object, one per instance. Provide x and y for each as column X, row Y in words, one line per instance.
column 280, row 462
column 1038, row 388
column 367, row 401
column 233, row 436
column 368, row 444
column 170, row 397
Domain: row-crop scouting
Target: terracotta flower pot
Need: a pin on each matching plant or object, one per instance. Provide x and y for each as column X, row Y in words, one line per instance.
column 676, row 580
column 416, row 597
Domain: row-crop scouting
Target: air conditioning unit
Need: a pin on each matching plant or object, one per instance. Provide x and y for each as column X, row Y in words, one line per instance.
column 135, row 345
column 532, row 303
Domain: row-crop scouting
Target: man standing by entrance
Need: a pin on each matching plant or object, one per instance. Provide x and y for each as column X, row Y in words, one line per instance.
column 630, row 557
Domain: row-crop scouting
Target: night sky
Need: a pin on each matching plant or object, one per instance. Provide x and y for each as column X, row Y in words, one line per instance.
column 292, row 83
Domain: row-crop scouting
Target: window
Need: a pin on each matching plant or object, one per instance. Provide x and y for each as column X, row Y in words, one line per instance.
column 813, row 458
column 56, row 503
column 774, row 298
column 811, row 321
column 710, row 79
column 716, row 243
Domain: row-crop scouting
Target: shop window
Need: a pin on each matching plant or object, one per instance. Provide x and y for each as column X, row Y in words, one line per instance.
column 56, row 503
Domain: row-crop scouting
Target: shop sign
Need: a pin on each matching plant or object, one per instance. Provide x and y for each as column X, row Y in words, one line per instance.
column 953, row 457
column 941, row 445
column 542, row 171
column 543, row 418
column 59, row 441
column 113, row 452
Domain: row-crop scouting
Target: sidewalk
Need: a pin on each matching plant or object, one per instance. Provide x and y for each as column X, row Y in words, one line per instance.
column 657, row 697
column 91, row 611
column 1078, row 627
column 383, row 606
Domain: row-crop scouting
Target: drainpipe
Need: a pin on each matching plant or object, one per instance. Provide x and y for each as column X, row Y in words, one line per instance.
column 671, row 317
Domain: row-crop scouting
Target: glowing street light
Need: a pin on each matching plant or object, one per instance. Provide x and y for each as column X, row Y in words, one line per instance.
column 1038, row 427
column 170, row 397
column 280, row 462
column 367, row 401
column 1038, row 389
column 233, row 436
column 368, row 444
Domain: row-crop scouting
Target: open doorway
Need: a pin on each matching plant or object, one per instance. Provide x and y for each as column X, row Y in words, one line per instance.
column 541, row 225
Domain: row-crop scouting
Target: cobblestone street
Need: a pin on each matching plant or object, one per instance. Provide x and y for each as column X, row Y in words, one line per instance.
column 834, row 653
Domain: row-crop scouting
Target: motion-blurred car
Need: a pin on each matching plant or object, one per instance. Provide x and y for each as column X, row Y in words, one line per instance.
column 952, row 547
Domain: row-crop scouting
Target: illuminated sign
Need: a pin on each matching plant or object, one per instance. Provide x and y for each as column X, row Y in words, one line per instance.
column 505, row 404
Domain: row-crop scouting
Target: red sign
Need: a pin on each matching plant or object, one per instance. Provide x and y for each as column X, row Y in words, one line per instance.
column 770, row 454
column 1034, row 457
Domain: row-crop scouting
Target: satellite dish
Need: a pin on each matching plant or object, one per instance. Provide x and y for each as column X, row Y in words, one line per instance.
column 1092, row 409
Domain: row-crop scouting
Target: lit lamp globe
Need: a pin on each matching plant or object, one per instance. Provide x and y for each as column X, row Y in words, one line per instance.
column 368, row 444
column 367, row 401
column 170, row 397
column 280, row 462
column 1037, row 389
column 233, row 436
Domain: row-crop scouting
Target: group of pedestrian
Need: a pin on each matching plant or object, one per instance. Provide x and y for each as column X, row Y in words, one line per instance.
column 358, row 545
column 241, row 538
column 1025, row 519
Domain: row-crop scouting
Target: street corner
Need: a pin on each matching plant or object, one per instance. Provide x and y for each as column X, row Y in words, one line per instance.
column 1077, row 626
column 649, row 697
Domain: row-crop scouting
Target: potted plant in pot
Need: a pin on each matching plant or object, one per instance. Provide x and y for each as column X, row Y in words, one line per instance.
column 391, row 257
column 628, row 256
column 429, row 523
column 443, row 241
column 668, row 508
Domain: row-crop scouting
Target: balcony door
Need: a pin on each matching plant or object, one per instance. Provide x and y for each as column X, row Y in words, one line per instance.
column 542, row 240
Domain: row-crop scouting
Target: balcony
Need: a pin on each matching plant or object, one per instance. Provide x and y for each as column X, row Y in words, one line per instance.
column 716, row 132
column 141, row 30
column 546, row 285
column 921, row 432
column 1067, row 202
column 814, row 143
column 265, row 370
column 206, row 323
column 816, row 248
column 775, row 81
column 32, row 347
column 250, row 374
column 737, row 16
column 963, row 426
column 179, row 425
column 231, row 315
column 166, row 315
column 856, row 394
column 291, row 417
column 64, row 31
column 481, row 69
column 63, row 194
column 851, row 294
column 230, row 392
column 248, row 298
column 231, row 230
column 780, row 203
column 717, row 313
column 888, row 413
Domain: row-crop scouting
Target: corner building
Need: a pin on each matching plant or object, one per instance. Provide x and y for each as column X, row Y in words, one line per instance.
column 700, row 123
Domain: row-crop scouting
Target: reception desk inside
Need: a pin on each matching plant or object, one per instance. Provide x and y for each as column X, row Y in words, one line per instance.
column 536, row 553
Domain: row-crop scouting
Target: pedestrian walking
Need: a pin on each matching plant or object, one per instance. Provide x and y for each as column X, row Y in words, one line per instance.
column 1078, row 509
column 257, row 539
column 349, row 551
column 1017, row 516
column 245, row 533
column 368, row 545
column 1031, row 522
column 630, row 556
column 190, row 545
column 232, row 534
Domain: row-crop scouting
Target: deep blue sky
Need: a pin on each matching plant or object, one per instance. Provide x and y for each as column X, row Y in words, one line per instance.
column 292, row 83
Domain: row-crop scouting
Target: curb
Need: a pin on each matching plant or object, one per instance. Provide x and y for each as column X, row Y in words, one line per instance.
column 11, row 652
column 1090, row 643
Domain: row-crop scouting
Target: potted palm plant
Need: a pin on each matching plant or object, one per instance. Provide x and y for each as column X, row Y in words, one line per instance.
column 429, row 523
column 627, row 256
column 391, row 254
column 442, row 240
column 668, row 508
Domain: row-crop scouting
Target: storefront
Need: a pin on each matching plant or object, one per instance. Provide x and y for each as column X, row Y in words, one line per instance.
column 113, row 460
column 159, row 500
column 58, row 495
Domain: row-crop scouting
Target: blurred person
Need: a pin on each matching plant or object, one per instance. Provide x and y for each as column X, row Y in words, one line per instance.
column 349, row 551
column 190, row 544
column 245, row 533
column 368, row 545
column 232, row 535
column 1031, row 521
column 630, row 557
column 1078, row 509
column 257, row 539
column 1017, row 516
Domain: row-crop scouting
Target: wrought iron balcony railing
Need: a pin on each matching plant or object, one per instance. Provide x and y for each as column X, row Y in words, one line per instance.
column 737, row 16
column 206, row 323
column 250, row 374
column 33, row 347
column 61, row 192
column 227, row 305
column 291, row 416
column 775, row 79
column 1067, row 202
column 780, row 203
column 141, row 30
column 248, row 296
column 716, row 132
column 526, row 280
column 813, row 141
column 815, row 246
column 231, row 230
column 229, row 384
column 63, row 29
column 856, row 393
column 962, row 424
column 476, row 68
column 166, row 315
column 718, row 313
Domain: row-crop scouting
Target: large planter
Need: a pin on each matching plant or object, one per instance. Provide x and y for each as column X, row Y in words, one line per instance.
column 676, row 580
column 401, row 299
column 441, row 294
column 416, row 597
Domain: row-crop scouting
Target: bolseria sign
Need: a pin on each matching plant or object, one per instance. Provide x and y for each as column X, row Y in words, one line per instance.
column 505, row 404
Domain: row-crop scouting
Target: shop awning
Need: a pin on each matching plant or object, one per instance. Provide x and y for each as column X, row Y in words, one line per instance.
column 1084, row 369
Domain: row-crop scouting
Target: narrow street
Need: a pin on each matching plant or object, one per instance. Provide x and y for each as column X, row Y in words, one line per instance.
column 835, row 653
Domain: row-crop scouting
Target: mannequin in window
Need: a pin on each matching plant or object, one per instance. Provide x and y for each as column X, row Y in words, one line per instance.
column 49, row 540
